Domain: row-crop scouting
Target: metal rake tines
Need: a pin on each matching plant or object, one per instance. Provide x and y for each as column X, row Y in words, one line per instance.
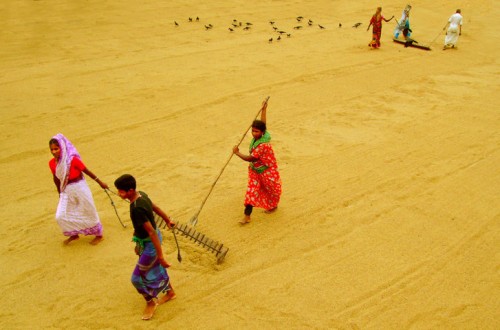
column 198, row 238
column 213, row 246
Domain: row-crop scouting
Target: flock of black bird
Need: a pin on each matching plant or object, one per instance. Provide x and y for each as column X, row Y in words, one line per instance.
column 235, row 25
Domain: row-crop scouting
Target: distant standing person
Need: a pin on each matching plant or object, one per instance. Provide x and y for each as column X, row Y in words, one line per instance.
column 454, row 30
column 150, row 277
column 76, row 213
column 376, row 21
column 403, row 25
column 264, row 182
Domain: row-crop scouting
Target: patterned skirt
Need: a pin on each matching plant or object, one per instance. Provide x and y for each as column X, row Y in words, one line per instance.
column 263, row 189
column 149, row 277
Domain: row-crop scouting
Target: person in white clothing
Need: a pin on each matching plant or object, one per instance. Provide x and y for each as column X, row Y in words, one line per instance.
column 454, row 30
column 403, row 25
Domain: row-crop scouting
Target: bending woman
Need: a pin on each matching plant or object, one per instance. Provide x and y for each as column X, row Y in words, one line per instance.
column 403, row 25
column 454, row 30
column 264, row 182
column 76, row 213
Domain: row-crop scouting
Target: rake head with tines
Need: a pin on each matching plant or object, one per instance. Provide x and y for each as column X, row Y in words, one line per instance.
column 215, row 247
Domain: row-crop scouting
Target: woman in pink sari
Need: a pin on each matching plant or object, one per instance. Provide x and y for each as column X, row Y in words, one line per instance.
column 76, row 213
column 376, row 21
column 264, row 182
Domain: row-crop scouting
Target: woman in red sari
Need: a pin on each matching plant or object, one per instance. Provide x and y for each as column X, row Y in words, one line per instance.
column 376, row 21
column 264, row 182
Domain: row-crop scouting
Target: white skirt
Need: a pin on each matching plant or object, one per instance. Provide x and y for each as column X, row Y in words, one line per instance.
column 76, row 213
column 451, row 36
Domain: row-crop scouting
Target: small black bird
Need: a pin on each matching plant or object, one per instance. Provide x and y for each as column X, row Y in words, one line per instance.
column 190, row 19
column 197, row 19
column 279, row 38
column 176, row 24
column 340, row 24
column 299, row 18
column 207, row 27
column 234, row 25
column 248, row 23
column 246, row 28
column 230, row 29
column 271, row 22
column 321, row 27
column 275, row 28
column 309, row 23
column 356, row 25
column 297, row 27
column 270, row 40
column 288, row 35
column 281, row 32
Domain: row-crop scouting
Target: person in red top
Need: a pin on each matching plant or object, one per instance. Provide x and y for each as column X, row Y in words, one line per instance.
column 376, row 21
column 76, row 212
column 264, row 182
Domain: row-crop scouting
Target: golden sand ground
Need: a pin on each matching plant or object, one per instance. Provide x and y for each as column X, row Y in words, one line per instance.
column 389, row 159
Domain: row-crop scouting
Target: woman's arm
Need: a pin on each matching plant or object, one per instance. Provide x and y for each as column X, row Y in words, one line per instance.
column 372, row 20
column 95, row 178
column 57, row 182
column 247, row 158
column 156, row 242
column 164, row 216
column 390, row 19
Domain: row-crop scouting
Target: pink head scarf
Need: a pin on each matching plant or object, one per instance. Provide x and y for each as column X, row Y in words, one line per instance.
column 68, row 151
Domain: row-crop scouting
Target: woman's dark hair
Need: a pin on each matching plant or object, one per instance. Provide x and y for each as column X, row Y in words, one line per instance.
column 53, row 141
column 260, row 125
column 125, row 182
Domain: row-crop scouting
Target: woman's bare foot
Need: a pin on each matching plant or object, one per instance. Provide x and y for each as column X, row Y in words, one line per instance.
column 271, row 210
column 170, row 295
column 149, row 310
column 71, row 238
column 97, row 240
column 245, row 220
